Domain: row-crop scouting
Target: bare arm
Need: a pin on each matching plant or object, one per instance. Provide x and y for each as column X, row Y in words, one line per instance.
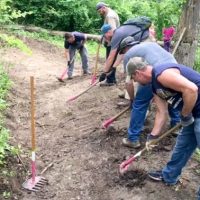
column 118, row 60
column 130, row 89
column 161, row 115
column 171, row 78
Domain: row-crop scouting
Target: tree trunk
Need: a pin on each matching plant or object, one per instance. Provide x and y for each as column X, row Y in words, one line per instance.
column 190, row 19
column 42, row 30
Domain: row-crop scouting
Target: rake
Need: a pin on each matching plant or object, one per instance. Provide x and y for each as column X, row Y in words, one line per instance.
column 126, row 164
column 107, row 122
column 94, row 76
column 65, row 71
column 35, row 182
column 83, row 92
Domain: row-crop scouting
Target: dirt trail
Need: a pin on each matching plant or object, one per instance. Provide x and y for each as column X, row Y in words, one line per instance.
column 85, row 157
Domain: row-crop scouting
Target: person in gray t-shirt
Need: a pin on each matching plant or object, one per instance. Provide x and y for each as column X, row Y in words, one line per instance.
column 154, row 55
column 116, row 37
column 111, row 18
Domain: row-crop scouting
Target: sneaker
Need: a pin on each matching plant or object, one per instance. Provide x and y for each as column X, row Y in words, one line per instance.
column 126, row 142
column 105, row 84
column 156, row 175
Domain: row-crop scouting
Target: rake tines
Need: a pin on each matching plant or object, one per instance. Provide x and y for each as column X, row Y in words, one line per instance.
column 36, row 185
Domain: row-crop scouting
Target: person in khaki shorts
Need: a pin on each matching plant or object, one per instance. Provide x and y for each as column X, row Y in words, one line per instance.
column 111, row 18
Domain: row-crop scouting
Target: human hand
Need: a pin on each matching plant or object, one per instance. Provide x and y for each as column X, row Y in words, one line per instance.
column 102, row 77
column 151, row 139
column 187, row 120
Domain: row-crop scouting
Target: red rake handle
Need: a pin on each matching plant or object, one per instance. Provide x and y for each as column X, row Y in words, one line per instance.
column 125, row 165
column 94, row 78
column 75, row 97
column 107, row 123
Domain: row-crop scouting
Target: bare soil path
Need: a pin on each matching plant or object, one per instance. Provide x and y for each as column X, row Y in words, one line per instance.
column 85, row 157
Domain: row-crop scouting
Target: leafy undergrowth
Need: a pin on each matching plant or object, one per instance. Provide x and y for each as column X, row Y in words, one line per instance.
column 8, row 153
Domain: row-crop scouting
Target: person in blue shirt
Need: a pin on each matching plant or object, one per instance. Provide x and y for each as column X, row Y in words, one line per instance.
column 179, row 86
column 75, row 41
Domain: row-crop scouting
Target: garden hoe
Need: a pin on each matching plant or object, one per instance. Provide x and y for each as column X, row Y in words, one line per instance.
column 94, row 76
column 126, row 164
column 35, row 182
column 65, row 71
column 108, row 122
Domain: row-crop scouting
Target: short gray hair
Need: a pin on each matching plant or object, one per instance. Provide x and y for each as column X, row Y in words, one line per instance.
column 136, row 63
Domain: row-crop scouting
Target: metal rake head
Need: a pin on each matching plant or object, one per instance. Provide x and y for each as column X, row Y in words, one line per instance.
column 34, row 185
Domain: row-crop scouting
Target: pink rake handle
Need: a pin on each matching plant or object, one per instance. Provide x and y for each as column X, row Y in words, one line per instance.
column 125, row 165
column 94, row 78
column 107, row 122
column 63, row 74
column 80, row 94
column 112, row 119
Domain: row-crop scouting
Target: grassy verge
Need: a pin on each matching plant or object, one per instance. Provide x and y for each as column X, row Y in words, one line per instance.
column 59, row 41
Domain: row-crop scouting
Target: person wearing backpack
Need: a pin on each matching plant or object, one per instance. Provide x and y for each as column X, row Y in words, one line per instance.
column 129, row 28
column 154, row 55
column 111, row 18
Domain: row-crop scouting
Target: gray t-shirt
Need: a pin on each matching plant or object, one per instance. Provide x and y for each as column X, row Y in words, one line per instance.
column 153, row 53
column 124, row 31
column 112, row 19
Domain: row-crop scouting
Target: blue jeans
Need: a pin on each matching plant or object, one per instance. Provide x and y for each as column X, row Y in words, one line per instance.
column 139, row 109
column 187, row 141
column 84, row 59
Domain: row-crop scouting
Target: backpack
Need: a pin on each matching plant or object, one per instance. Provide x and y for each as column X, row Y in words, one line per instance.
column 142, row 22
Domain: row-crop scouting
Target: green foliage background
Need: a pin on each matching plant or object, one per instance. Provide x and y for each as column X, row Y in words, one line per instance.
column 81, row 15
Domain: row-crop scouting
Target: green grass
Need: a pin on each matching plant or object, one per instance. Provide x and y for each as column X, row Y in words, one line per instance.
column 59, row 41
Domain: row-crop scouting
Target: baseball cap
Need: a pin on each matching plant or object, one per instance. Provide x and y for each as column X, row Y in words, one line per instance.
column 105, row 28
column 128, row 41
column 100, row 5
column 135, row 63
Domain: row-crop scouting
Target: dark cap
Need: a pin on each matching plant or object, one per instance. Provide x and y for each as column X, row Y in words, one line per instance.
column 100, row 5
column 128, row 41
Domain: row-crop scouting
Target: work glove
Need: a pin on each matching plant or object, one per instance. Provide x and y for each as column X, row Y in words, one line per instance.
column 151, row 138
column 102, row 77
column 187, row 120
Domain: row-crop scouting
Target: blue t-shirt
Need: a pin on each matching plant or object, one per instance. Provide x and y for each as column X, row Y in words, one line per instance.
column 79, row 38
column 173, row 97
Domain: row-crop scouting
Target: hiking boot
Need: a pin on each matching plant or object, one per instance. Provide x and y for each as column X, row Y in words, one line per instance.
column 126, row 142
column 156, row 175
column 121, row 94
column 105, row 84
